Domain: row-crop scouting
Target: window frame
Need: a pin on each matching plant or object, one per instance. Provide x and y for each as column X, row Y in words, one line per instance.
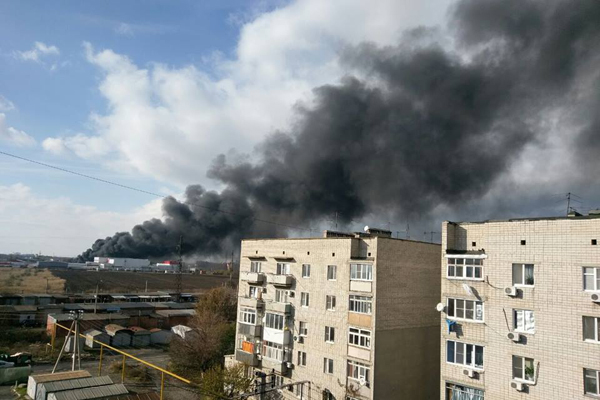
column 359, row 302
column 328, row 366
column 305, row 271
column 357, row 335
column 523, row 268
column 254, row 268
column 332, row 272
column 301, row 358
column 268, row 348
column 302, row 328
column 597, row 378
column 596, row 279
column 330, row 334
column 452, row 385
column 596, row 329
column 523, row 330
column 464, row 318
column 464, row 355
column 330, row 302
column 523, row 367
column 304, row 299
column 281, row 294
column 244, row 312
column 365, row 274
column 254, row 289
column 274, row 320
column 453, row 262
column 358, row 367
column 283, row 268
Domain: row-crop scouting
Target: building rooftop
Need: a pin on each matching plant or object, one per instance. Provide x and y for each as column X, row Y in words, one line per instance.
column 594, row 214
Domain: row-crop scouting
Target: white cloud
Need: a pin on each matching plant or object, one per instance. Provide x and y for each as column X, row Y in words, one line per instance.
column 38, row 51
column 14, row 136
column 5, row 104
column 38, row 223
column 88, row 147
column 169, row 122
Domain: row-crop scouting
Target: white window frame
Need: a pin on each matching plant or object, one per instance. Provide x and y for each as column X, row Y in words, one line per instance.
column 359, row 337
column 360, row 304
column 306, row 271
column 329, row 334
column 303, row 328
column 527, row 327
column 247, row 316
column 523, row 360
column 361, row 272
column 357, row 370
column 596, row 378
column 523, row 267
column 457, row 387
column 302, row 358
column 330, row 302
column 452, row 264
column 596, row 324
column 327, row 365
column 273, row 351
column 332, row 272
column 455, row 308
column 281, row 296
column 464, row 345
column 283, row 268
column 255, row 266
column 304, row 299
column 253, row 292
column 596, row 278
column 275, row 321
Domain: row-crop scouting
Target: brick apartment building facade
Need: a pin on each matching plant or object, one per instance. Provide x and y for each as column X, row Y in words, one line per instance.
column 521, row 318
column 353, row 314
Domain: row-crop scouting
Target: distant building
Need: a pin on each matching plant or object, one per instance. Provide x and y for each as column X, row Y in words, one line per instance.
column 51, row 264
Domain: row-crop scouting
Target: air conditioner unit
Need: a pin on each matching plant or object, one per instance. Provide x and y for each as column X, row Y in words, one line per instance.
column 300, row 339
column 259, row 356
column 264, row 290
column 519, row 386
column 291, row 294
column 511, row 291
column 289, row 364
column 470, row 373
column 514, row 336
column 595, row 298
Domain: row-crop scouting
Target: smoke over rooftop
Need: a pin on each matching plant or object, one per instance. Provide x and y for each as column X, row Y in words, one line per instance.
column 432, row 122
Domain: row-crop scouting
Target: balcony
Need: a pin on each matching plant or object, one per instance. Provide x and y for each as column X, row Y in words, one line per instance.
column 274, row 306
column 256, row 278
column 277, row 336
column 244, row 357
column 280, row 280
column 251, row 302
column 249, row 330
column 270, row 364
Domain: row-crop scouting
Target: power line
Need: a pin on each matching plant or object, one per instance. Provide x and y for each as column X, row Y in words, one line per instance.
column 148, row 192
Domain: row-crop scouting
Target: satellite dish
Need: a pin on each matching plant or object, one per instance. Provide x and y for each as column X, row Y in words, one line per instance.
column 366, row 228
column 440, row 307
column 362, row 381
column 468, row 289
column 295, row 338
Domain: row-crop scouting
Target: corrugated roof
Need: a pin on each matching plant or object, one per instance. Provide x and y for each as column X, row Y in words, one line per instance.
column 58, row 386
column 98, row 392
column 41, row 378
column 138, row 330
column 139, row 396
column 91, row 317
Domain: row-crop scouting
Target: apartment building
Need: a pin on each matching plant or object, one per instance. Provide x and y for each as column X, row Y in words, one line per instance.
column 520, row 311
column 351, row 315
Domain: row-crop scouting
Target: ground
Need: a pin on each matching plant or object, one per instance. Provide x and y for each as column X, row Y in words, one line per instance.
column 29, row 280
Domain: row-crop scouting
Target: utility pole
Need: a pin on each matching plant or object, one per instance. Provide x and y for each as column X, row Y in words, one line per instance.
column 179, row 269
column 96, row 297
column 568, row 203
column 430, row 233
column 146, row 291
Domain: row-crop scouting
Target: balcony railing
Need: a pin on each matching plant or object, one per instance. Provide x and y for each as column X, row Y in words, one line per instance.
column 276, row 365
column 249, row 330
column 275, row 306
column 252, row 277
column 246, row 358
column 251, row 302
column 280, row 280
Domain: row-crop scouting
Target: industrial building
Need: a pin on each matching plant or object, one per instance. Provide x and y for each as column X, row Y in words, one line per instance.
column 353, row 313
column 520, row 310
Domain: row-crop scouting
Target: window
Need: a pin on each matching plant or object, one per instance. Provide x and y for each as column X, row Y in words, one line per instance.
column 359, row 337
column 361, row 272
column 469, row 310
column 594, row 242
column 466, row 354
column 247, row 316
column 523, row 368
column 306, row 270
column 274, row 321
column 300, row 391
column 302, row 358
column 522, row 274
column 283, row 269
column 591, row 329
column 328, row 365
column 330, row 303
column 253, row 292
column 360, row 304
column 591, row 378
column 591, row 279
column 465, row 268
column 331, row 272
column 255, row 266
column 460, row 392
column 329, row 334
column 304, row 299
column 281, row 296
column 277, row 380
column 358, row 371
column 272, row 350
column 524, row 321
column 303, row 328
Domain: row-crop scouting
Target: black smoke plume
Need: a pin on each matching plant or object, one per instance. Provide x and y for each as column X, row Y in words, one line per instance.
column 432, row 121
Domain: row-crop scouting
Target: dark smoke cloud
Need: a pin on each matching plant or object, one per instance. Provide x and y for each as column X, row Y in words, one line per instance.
column 416, row 126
